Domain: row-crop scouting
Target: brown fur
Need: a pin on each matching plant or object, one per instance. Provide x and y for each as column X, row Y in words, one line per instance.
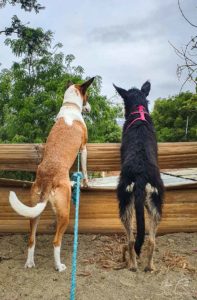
column 84, row 96
column 52, row 180
column 128, row 224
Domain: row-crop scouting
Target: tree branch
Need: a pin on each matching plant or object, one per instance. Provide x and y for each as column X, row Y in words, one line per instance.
column 185, row 16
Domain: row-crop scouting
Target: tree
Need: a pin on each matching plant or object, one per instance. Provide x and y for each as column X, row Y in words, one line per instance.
column 31, row 93
column 188, row 55
column 16, row 25
column 175, row 118
column 101, row 122
column 27, row 5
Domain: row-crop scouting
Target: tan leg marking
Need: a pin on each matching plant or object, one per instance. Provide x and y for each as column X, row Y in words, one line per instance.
column 154, row 218
column 151, row 245
column 130, row 187
column 153, row 223
column 150, row 189
column 127, row 221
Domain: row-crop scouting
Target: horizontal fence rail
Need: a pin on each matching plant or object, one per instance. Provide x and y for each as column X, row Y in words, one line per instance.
column 99, row 210
column 99, row 207
column 101, row 157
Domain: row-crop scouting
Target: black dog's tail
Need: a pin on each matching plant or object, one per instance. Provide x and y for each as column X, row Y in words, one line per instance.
column 139, row 193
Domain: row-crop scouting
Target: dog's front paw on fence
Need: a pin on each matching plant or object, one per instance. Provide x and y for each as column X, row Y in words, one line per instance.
column 85, row 183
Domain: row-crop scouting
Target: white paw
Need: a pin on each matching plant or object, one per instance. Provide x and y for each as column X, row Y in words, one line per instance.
column 29, row 264
column 60, row 268
column 129, row 188
column 72, row 183
column 85, row 183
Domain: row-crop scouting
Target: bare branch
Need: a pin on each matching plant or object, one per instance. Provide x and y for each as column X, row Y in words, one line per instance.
column 185, row 16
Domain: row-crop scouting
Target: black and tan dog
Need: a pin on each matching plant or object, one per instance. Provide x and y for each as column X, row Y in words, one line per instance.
column 140, row 183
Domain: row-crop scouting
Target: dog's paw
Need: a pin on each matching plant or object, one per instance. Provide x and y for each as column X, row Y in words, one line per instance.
column 149, row 269
column 60, row 267
column 133, row 269
column 85, row 183
column 29, row 264
column 72, row 184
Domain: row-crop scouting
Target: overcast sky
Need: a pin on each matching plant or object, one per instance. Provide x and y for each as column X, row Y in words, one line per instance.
column 123, row 41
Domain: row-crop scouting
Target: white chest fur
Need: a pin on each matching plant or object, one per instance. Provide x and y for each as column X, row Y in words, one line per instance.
column 69, row 114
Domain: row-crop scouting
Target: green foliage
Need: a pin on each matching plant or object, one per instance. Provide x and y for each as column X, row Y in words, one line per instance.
column 101, row 122
column 30, row 42
column 27, row 5
column 170, row 118
column 16, row 25
column 31, row 93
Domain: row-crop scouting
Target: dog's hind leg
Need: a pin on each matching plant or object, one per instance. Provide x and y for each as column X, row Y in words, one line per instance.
column 35, row 197
column 127, row 220
column 153, row 222
column 61, row 205
column 126, row 208
column 154, row 217
column 32, row 242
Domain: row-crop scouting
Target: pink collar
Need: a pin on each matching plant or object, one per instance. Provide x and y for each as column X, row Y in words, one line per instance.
column 142, row 112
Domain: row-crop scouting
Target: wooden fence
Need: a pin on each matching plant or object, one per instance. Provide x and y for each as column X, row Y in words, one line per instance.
column 101, row 157
column 98, row 209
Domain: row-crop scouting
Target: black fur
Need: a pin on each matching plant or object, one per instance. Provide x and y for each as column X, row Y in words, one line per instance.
column 139, row 163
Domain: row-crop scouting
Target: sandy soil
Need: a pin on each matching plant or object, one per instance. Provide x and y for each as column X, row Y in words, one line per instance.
column 98, row 276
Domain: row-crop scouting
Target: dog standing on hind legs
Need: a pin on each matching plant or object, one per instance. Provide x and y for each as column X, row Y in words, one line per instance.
column 140, row 184
column 67, row 137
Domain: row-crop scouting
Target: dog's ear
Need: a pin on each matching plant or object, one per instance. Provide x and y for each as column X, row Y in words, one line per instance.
column 121, row 92
column 146, row 88
column 84, row 86
column 68, row 84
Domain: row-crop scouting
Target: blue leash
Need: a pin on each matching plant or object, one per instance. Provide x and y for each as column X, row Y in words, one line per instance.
column 76, row 198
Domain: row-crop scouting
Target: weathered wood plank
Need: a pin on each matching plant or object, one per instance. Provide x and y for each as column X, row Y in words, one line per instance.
column 99, row 211
column 101, row 157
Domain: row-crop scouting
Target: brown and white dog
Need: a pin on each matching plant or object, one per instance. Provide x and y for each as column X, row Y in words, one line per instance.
column 67, row 137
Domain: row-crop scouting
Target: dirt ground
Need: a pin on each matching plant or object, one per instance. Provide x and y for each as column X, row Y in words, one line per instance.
column 99, row 274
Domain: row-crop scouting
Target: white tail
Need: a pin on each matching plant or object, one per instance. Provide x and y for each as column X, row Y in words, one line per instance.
column 24, row 210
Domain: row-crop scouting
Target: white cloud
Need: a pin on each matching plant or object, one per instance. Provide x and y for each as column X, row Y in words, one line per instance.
column 125, row 42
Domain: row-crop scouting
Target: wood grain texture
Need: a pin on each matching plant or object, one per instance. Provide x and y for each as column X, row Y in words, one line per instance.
column 99, row 211
column 98, row 208
column 101, row 157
